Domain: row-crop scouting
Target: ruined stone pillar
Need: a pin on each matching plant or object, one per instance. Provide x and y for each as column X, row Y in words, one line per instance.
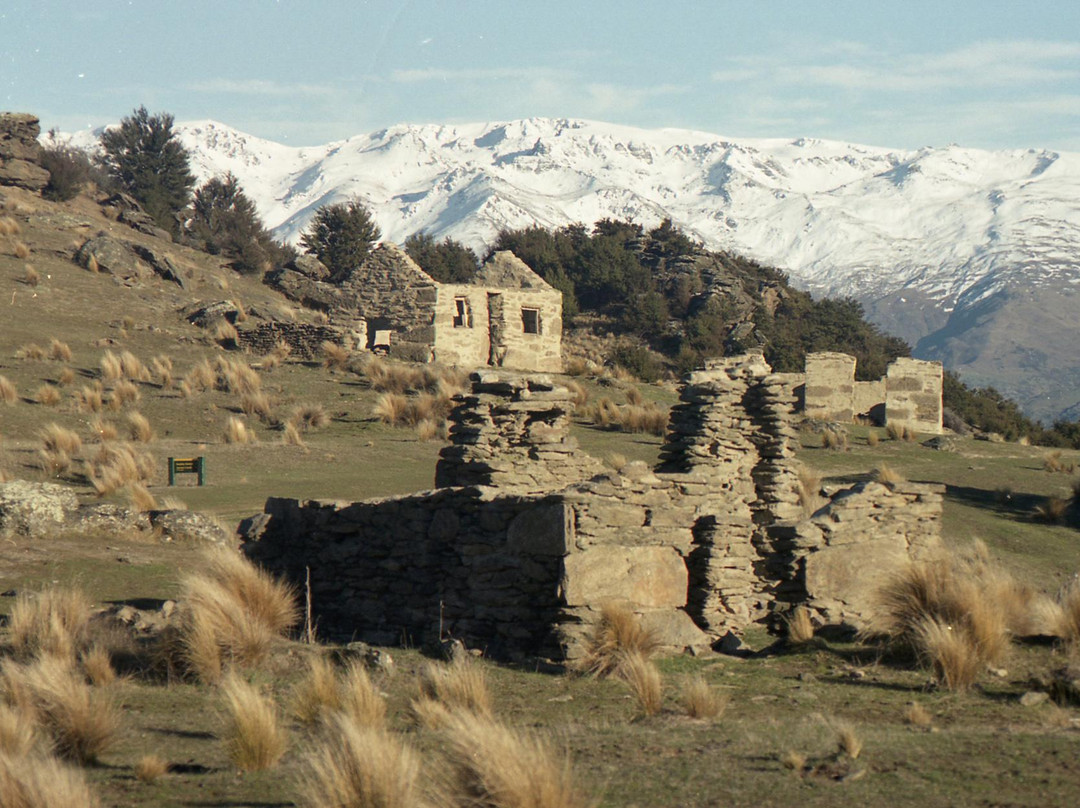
column 513, row 432
column 830, row 387
column 913, row 389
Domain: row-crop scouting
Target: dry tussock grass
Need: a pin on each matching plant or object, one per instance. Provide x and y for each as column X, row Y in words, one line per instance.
column 643, row 678
column 150, row 768
column 361, row 702
column 397, row 377
column 580, row 394
column 258, row 405
column 53, row 622
column 617, row 633
column 80, row 721
column 60, row 351
column 290, row 436
column 800, row 629
column 236, row 431
column 42, row 782
column 224, row 333
column 66, row 377
column 9, row 227
column 162, row 371
column 54, row 464
column 335, row 357
column 233, row 614
column 446, row 689
column 97, row 665
column 31, row 352
column 236, row 376
column 1056, row 464
column 57, row 438
column 886, row 475
column 917, row 716
column 848, row 741
column 89, row 399
column 808, row 489
column 390, row 408
column 318, row 694
column 352, row 765
column 140, row 498
column 9, row 394
column 21, row 251
column 201, row 376
column 1052, row 510
column 952, row 653
column 701, row 701
column 92, row 265
column 644, row 418
column 116, row 466
column 253, row 737
column 133, row 367
column 19, row 735
column 492, row 765
column 872, row 439
column 110, row 367
column 309, row 416
column 139, row 428
column 831, row 439
column 48, row 396
column 31, row 277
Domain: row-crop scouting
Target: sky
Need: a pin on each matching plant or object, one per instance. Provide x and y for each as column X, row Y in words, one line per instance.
column 905, row 74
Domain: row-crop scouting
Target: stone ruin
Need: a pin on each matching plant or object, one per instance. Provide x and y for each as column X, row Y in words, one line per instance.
column 526, row 538
column 909, row 395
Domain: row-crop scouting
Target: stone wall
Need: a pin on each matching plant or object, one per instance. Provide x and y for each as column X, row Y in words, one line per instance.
column 913, row 389
column 868, row 401
column 527, row 538
column 20, row 152
column 305, row 339
column 830, row 386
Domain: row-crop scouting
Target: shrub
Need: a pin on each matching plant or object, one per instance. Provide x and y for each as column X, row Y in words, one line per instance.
column 69, row 170
column 360, row 766
column 8, row 393
column 494, row 766
column 701, row 701
column 619, row 632
column 253, row 737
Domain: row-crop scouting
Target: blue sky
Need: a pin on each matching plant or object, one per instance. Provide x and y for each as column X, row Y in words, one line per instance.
column 908, row 73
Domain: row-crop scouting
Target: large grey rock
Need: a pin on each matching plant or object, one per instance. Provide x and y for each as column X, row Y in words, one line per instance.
column 35, row 509
column 674, row 630
column 161, row 263
column 112, row 256
column 23, row 174
column 653, row 577
column 190, row 526
column 20, row 152
column 204, row 315
column 310, row 266
column 106, row 518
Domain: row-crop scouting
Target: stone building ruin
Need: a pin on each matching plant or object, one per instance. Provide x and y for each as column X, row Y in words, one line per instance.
column 909, row 395
column 507, row 316
column 526, row 538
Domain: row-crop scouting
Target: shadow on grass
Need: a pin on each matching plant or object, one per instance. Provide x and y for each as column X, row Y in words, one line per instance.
column 200, row 735
column 1008, row 505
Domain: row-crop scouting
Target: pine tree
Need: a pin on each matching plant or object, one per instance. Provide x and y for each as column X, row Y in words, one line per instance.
column 341, row 235
column 149, row 162
column 447, row 261
column 224, row 220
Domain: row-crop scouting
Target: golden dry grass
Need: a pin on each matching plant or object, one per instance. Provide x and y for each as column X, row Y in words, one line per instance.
column 951, row 653
column 886, row 475
column 236, row 376
column 89, row 399
column 335, row 357
column 140, row 498
column 360, row 700
column 48, row 395
column 81, row 722
column 110, row 367
column 1052, row 510
column 139, row 428
column 57, row 438
column 258, row 405
column 894, row 431
column 236, row 431
column 66, row 377
column 318, row 693
column 31, row 277
column 116, row 466
column 162, row 371
column 808, row 490
column 150, row 768
column 917, row 716
column 702, row 701
column 831, row 439
column 800, row 629
column 9, row 394
column 492, row 765
column 848, row 741
column 358, row 766
column 643, row 678
column 92, row 264
column 31, row 352
column 53, row 622
column 1056, row 464
column 97, row 665
column 224, row 332
column 253, row 737
column 9, row 227
column 123, row 393
column 22, row 252
column 42, row 782
column 872, row 439
column 309, row 416
column 19, row 735
column 443, row 689
column 390, row 408
column 291, row 436
column 60, row 351
column 201, row 376
column 617, row 633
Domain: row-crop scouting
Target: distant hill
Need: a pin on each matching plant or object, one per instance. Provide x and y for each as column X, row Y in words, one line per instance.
column 969, row 255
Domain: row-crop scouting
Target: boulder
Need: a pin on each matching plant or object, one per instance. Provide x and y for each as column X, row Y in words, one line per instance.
column 161, row 263
column 651, row 577
column 112, row 256
column 106, row 518
column 191, row 526
column 309, row 266
column 35, row 509
column 23, row 174
column 204, row 314
column 674, row 630
column 20, row 152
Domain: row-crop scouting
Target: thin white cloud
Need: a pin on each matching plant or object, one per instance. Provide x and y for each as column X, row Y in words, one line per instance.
column 475, row 74
column 261, row 87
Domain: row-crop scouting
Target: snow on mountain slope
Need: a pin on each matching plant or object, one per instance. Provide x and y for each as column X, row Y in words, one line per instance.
column 916, row 235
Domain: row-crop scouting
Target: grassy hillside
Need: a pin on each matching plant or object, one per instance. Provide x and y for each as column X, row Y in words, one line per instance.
column 979, row 746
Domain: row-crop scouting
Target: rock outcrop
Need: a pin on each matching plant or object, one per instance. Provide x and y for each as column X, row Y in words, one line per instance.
column 20, row 152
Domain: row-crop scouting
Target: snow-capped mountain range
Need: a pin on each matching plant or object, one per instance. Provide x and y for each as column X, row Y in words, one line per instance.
column 933, row 241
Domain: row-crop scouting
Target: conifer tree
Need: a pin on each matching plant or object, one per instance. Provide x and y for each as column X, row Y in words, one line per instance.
column 147, row 159
column 341, row 235
column 225, row 221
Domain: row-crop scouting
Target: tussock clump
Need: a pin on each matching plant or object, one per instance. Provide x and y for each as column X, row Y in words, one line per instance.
column 701, row 701
column 643, row 678
column 1061, row 616
column 66, row 377
column 648, row 418
column 492, row 765
column 872, row 439
column 162, row 371
column 800, row 629
column 887, row 476
column 427, row 430
column 253, row 737
column 89, row 399
column 618, row 633
column 1056, row 464
column 22, row 252
column 140, row 498
column 335, row 357
column 234, row 612
column 9, row 227
column 8, row 392
column 580, row 394
column 133, row 367
column 360, row 700
column 60, row 351
column 116, row 466
column 92, row 264
column 258, row 405
column 202, row 376
column 848, row 741
column 917, row 716
column 616, row 460
column 808, row 489
column 309, row 416
column 42, row 782
column 53, row 622
column 31, row 277
column 18, row 734
column 361, row 766
column 81, row 722
column 1052, row 510
column 150, row 768
column 451, row 688
column 56, row 438
column 318, row 694
column 225, row 333
column 54, row 464
column 236, row 376
column 894, row 431
column 290, row 436
column 97, row 665
column 111, row 368
column 952, row 653
column 236, row 431
column 139, row 428
column 269, row 362
column 390, row 408
column 47, row 395
column 31, row 352
column 832, row 439
column 634, row 397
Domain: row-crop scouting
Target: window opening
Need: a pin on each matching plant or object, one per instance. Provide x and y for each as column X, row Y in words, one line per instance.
column 530, row 320
column 462, row 315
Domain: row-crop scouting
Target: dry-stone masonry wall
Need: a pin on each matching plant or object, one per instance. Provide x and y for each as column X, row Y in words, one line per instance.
column 913, row 395
column 830, row 387
column 305, row 340
column 527, row 538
